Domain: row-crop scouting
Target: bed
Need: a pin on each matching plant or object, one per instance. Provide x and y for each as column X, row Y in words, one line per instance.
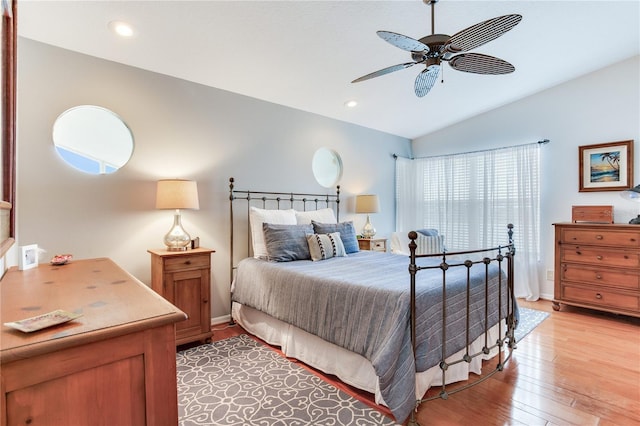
column 374, row 320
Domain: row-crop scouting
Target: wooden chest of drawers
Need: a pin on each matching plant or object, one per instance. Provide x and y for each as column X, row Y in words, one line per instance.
column 598, row 266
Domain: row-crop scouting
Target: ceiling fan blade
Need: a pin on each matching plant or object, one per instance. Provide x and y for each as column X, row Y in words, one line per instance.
column 403, row 42
column 481, row 33
column 480, row 64
column 426, row 79
column 384, row 71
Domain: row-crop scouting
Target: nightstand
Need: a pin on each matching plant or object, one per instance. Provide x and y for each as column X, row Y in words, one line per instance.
column 184, row 279
column 373, row 244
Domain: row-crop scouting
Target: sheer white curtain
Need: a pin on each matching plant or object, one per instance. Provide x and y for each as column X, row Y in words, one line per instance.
column 470, row 198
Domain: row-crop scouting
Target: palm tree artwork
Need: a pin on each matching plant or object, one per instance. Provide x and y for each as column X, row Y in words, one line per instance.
column 605, row 167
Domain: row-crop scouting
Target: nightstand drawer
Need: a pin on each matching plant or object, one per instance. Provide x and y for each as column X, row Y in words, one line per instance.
column 372, row 244
column 180, row 263
column 379, row 246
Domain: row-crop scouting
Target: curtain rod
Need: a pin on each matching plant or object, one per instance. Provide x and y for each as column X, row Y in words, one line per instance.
column 540, row 142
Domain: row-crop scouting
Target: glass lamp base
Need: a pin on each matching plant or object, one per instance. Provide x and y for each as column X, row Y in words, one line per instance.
column 368, row 231
column 177, row 239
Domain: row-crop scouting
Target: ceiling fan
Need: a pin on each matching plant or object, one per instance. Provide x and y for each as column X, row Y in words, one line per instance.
column 431, row 50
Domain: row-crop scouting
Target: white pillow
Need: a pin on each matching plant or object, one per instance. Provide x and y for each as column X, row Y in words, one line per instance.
column 259, row 216
column 323, row 216
column 400, row 243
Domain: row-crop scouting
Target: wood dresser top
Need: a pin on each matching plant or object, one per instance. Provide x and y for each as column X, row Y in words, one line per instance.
column 601, row 225
column 112, row 303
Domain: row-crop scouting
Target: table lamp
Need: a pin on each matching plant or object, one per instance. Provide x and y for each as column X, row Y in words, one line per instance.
column 632, row 194
column 177, row 194
column 367, row 204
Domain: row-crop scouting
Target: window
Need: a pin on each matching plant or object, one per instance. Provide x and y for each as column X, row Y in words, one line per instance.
column 470, row 198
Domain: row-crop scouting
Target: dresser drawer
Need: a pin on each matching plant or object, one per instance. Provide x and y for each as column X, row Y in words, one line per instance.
column 180, row 263
column 597, row 256
column 598, row 297
column 601, row 237
column 602, row 276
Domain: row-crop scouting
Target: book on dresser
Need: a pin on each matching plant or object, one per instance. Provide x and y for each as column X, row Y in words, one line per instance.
column 597, row 266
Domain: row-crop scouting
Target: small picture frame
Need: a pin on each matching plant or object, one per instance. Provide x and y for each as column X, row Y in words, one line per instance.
column 606, row 166
column 28, row 257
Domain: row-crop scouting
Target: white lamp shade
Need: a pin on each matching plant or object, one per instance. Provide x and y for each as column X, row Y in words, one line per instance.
column 177, row 194
column 632, row 194
column 367, row 204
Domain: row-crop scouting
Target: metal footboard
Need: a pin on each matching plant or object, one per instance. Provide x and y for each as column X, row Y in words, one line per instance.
column 502, row 256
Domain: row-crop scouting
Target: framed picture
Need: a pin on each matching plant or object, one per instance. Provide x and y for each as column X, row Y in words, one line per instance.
column 606, row 166
column 28, row 257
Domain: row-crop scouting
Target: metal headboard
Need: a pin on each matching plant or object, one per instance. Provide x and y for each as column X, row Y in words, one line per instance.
column 275, row 201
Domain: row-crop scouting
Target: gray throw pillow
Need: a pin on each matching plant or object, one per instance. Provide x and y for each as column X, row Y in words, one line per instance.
column 347, row 233
column 286, row 242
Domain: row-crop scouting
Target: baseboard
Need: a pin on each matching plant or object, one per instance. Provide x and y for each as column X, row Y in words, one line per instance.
column 220, row 320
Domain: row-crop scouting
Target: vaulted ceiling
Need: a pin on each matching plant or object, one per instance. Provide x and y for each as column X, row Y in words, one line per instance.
column 304, row 54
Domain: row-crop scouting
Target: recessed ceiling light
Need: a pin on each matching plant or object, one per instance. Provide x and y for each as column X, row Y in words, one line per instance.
column 121, row 28
column 351, row 104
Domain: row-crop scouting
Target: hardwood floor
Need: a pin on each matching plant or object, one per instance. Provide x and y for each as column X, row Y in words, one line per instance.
column 579, row 367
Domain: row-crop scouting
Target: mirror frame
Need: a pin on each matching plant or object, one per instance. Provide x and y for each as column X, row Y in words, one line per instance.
column 336, row 174
column 84, row 143
column 8, row 151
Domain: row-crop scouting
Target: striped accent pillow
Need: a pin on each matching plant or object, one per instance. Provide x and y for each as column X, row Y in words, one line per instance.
column 325, row 246
column 429, row 244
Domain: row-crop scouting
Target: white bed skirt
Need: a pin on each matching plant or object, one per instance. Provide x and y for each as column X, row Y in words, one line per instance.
column 348, row 366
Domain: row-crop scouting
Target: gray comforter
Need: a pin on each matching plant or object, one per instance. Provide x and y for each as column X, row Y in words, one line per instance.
column 362, row 303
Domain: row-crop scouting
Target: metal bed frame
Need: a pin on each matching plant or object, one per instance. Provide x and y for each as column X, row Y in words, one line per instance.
column 262, row 198
column 500, row 255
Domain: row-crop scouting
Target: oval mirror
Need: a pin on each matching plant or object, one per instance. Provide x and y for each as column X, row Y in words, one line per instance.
column 327, row 167
column 92, row 139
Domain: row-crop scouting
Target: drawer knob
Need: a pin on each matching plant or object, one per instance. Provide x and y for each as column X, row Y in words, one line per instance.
column 187, row 262
column 598, row 296
column 599, row 257
column 598, row 237
column 599, row 276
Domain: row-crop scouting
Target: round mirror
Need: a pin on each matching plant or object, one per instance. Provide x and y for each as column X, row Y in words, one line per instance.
column 92, row 139
column 327, row 167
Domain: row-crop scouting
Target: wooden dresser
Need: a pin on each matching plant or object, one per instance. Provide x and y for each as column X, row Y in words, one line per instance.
column 598, row 266
column 114, row 365
column 184, row 279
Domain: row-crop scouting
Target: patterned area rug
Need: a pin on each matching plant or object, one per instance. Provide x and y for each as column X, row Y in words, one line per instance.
column 529, row 319
column 238, row 381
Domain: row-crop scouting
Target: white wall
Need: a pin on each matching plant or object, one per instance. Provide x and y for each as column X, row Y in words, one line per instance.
column 600, row 107
column 183, row 130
